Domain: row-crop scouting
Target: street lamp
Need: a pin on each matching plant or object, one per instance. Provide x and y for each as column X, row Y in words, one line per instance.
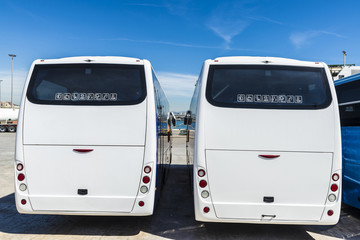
column 0, row 90
column 344, row 52
column 12, row 77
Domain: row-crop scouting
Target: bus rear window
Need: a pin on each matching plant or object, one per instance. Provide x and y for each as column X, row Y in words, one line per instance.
column 259, row 86
column 87, row 84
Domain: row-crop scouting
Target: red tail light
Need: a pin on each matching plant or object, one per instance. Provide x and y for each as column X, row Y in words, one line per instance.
column 330, row 212
column 334, row 187
column 146, row 179
column 23, row 201
column 201, row 173
column 206, row 209
column 141, row 203
column 21, row 177
column 147, row 169
column 19, row 167
column 203, row 183
column 335, row 177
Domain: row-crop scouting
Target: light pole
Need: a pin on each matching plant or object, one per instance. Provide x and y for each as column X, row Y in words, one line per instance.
column 344, row 52
column 12, row 77
column 0, row 90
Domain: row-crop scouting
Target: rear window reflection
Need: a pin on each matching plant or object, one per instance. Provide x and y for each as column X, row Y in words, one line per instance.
column 267, row 87
column 87, row 84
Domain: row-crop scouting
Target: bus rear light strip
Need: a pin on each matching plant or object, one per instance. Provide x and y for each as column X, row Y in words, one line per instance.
column 269, row 156
column 83, row 150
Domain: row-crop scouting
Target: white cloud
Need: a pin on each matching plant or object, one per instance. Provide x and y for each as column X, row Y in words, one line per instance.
column 227, row 31
column 177, row 84
column 228, row 20
column 177, row 44
column 299, row 39
column 178, row 88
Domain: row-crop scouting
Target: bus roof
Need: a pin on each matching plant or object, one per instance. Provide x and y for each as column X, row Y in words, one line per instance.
column 348, row 79
column 264, row 60
column 91, row 59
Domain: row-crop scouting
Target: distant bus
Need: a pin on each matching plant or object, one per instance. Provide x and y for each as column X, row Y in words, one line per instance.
column 264, row 142
column 348, row 93
column 93, row 137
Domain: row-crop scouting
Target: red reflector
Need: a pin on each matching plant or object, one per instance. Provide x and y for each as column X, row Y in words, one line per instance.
column 269, row 156
column 146, row 179
column 334, row 187
column 23, row 201
column 201, row 173
column 19, row 167
column 330, row 212
column 203, row 183
column 206, row 209
column 83, row 150
column 141, row 203
column 21, row 177
column 147, row 169
column 335, row 177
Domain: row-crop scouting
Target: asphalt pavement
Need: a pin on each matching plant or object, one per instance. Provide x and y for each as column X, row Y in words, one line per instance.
column 173, row 217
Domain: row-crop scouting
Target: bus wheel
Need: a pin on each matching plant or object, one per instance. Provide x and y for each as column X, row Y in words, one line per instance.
column 11, row 128
column 3, row 129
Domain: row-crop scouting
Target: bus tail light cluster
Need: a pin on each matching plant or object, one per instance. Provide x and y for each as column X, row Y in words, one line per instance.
column 203, row 184
column 145, row 180
column 21, row 178
column 334, row 189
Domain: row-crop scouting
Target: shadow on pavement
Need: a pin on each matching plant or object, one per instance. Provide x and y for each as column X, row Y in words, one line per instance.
column 173, row 218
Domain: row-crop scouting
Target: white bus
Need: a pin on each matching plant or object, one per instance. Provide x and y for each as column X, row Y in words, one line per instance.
column 93, row 137
column 264, row 142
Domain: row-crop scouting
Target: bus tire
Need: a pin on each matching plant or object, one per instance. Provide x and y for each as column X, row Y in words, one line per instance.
column 12, row 129
column 3, row 129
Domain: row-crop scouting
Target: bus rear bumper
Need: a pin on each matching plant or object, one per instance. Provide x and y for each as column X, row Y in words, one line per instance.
column 322, row 217
column 146, row 210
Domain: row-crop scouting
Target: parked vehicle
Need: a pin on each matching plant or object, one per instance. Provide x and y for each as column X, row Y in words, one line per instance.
column 90, row 138
column 348, row 93
column 8, row 119
column 264, row 142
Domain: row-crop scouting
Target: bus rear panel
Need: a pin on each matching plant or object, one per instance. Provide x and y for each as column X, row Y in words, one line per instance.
column 266, row 147
column 86, row 142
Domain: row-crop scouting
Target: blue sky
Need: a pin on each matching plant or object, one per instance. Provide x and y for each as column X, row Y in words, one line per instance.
column 175, row 35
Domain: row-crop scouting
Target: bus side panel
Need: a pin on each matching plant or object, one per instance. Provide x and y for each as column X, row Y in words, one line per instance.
column 163, row 139
column 351, row 163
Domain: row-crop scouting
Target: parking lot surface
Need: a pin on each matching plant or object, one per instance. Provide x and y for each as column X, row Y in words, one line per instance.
column 173, row 218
